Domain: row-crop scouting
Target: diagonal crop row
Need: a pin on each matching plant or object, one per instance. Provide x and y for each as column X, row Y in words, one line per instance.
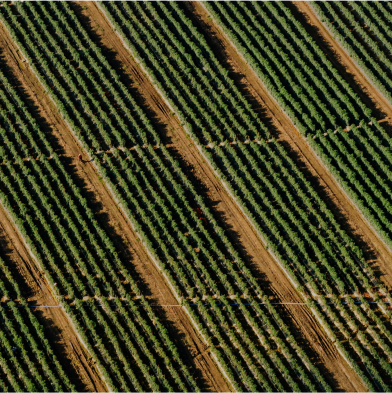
column 27, row 360
column 254, row 347
column 132, row 347
column 289, row 214
column 317, row 99
column 363, row 29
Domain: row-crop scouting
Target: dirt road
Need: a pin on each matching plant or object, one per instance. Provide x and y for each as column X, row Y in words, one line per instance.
column 72, row 354
column 382, row 256
column 377, row 253
column 190, row 345
column 299, row 317
column 343, row 61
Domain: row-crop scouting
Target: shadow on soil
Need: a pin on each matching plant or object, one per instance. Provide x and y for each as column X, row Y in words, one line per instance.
column 118, row 240
column 239, row 80
column 112, row 56
column 59, row 346
column 70, row 164
column 7, row 253
column 332, row 56
column 52, row 332
column 166, row 136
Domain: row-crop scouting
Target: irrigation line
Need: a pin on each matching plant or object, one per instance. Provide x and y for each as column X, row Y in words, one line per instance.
column 194, row 305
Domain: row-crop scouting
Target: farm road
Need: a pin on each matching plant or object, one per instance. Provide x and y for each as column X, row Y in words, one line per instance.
column 380, row 256
column 71, row 353
column 306, row 328
column 194, row 351
column 377, row 253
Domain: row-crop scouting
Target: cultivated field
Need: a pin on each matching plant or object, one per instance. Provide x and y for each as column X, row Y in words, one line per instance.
column 195, row 196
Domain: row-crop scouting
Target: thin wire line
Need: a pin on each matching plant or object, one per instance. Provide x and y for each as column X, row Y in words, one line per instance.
column 195, row 305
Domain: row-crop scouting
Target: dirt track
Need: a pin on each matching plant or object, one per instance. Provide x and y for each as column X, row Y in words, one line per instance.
column 343, row 60
column 73, row 356
column 382, row 256
column 377, row 252
column 278, row 284
column 299, row 317
column 190, row 345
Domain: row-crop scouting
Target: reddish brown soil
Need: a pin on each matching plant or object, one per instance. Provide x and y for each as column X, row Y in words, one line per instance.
column 343, row 60
column 190, row 345
column 300, row 319
column 73, row 356
column 377, row 252
column 382, row 255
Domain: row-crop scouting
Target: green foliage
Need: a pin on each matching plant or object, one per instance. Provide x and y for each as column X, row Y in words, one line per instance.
column 174, row 222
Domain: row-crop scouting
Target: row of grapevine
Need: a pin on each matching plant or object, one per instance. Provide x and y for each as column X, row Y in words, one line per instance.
column 293, row 219
column 253, row 345
column 363, row 30
column 318, row 100
column 27, row 359
column 131, row 346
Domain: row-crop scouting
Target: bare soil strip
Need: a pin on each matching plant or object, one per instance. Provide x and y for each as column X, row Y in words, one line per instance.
column 343, row 59
column 298, row 317
column 377, row 253
column 382, row 256
column 195, row 353
column 73, row 356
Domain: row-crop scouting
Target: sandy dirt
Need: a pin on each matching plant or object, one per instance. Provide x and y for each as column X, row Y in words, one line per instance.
column 382, row 255
column 303, row 324
column 190, row 345
column 343, row 61
column 73, row 356
column 377, row 253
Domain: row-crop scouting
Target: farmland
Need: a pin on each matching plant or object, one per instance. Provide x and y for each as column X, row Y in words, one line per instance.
column 368, row 43
column 202, row 193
